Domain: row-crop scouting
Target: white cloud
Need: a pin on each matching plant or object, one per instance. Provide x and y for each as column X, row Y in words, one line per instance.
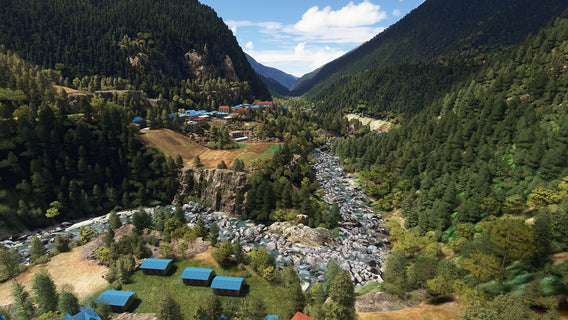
column 351, row 15
column 396, row 12
column 354, row 23
column 249, row 46
column 297, row 60
column 350, row 24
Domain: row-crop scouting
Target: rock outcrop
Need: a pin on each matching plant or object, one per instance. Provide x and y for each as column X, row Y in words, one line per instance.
column 218, row 188
column 302, row 234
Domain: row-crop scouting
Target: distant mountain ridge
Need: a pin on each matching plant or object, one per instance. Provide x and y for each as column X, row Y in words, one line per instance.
column 284, row 79
column 439, row 27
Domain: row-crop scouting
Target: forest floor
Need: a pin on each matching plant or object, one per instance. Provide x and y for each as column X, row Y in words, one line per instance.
column 69, row 268
column 172, row 143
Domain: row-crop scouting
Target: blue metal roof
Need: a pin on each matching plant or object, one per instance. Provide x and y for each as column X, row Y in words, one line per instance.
column 272, row 317
column 196, row 273
column 137, row 119
column 115, row 298
column 85, row 313
column 155, row 264
column 227, row 283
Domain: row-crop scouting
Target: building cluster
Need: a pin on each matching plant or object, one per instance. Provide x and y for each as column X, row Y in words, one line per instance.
column 120, row 301
column 227, row 113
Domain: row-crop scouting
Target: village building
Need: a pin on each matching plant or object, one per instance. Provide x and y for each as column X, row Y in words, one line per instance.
column 139, row 122
column 197, row 276
column 119, row 301
column 301, row 316
column 85, row 313
column 227, row 286
column 154, row 266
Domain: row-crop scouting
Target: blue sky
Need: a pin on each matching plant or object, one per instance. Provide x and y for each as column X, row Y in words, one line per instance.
column 298, row 36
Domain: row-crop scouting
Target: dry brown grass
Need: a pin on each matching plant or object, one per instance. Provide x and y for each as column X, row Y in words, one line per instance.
column 424, row 311
column 172, row 143
column 67, row 90
column 67, row 268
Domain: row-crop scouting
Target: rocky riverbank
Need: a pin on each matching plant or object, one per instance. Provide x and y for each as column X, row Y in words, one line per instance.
column 358, row 246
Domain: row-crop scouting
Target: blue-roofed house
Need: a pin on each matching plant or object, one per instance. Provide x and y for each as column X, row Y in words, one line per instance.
column 197, row 276
column 85, row 313
column 272, row 317
column 159, row 267
column 119, row 301
column 227, row 286
column 139, row 122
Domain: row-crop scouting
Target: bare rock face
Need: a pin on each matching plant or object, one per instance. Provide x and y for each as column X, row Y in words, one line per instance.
column 217, row 187
column 229, row 69
column 194, row 64
column 302, row 234
column 139, row 60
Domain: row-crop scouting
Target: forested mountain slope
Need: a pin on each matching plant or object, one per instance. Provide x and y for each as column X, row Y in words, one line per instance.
column 153, row 44
column 81, row 165
column 440, row 27
column 284, row 79
column 470, row 169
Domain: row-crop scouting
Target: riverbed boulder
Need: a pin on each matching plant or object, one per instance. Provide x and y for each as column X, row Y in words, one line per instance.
column 302, row 234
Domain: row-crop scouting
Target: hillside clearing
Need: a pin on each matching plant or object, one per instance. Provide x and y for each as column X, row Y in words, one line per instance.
column 172, row 143
column 70, row 268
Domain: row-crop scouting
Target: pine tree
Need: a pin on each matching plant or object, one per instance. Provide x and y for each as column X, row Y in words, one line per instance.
column 24, row 305
column 37, row 249
column 45, row 295
column 169, row 309
column 68, row 302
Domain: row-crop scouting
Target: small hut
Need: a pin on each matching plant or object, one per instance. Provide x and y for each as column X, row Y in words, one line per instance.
column 197, row 276
column 227, row 286
column 159, row 267
column 119, row 301
column 301, row 316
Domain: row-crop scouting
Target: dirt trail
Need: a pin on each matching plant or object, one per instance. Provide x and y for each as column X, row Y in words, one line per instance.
column 85, row 276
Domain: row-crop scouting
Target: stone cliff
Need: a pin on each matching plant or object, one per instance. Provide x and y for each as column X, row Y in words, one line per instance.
column 219, row 188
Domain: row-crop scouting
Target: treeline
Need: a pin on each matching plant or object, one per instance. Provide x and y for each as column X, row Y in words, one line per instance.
column 140, row 41
column 466, row 173
column 88, row 163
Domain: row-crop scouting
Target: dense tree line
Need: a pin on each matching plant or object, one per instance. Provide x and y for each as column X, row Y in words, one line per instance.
column 468, row 170
column 87, row 164
column 103, row 38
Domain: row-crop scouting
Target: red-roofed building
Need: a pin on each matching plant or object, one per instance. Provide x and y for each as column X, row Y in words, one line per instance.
column 199, row 119
column 266, row 104
column 301, row 316
column 225, row 109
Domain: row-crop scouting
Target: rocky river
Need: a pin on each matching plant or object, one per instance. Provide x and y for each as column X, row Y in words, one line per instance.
column 357, row 247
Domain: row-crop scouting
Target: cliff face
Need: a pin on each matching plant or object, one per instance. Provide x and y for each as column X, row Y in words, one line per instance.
column 216, row 187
